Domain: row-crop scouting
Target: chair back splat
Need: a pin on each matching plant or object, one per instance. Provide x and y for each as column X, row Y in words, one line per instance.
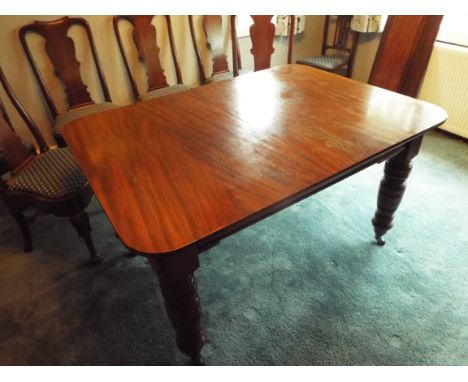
column 213, row 28
column 341, row 34
column 262, row 34
column 144, row 36
column 60, row 48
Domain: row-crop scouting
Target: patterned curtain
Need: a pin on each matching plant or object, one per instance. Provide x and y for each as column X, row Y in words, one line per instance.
column 368, row 23
column 283, row 23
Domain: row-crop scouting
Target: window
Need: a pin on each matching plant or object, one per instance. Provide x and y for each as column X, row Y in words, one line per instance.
column 454, row 30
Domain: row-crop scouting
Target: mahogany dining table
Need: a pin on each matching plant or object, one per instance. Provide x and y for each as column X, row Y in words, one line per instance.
column 177, row 174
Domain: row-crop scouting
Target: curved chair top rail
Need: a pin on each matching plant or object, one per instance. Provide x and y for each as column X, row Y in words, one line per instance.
column 145, row 38
column 61, row 50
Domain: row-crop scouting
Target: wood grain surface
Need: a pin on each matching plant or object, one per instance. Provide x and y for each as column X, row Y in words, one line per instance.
column 184, row 169
column 262, row 34
column 404, row 53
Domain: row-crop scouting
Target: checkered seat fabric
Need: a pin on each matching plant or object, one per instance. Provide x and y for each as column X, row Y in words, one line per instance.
column 330, row 62
column 224, row 76
column 70, row 115
column 164, row 91
column 51, row 175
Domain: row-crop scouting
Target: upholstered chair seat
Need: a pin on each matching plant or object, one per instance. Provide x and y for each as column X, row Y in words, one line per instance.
column 327, row 62
column 52, row 175
column 178, row 88
column 48, row 180
column 225, row 76
column 62, row 119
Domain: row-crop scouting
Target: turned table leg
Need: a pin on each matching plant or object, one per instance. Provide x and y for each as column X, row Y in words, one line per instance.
column 179, row 289
column 392, row 188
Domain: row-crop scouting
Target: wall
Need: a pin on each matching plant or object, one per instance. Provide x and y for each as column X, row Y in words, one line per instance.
column 368, row 44
column 17, row 70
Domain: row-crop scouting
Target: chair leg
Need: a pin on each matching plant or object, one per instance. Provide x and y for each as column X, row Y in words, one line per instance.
column 81, row 224
column 24, row 229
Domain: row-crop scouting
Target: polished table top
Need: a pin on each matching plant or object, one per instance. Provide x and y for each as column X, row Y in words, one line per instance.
column 192, row 167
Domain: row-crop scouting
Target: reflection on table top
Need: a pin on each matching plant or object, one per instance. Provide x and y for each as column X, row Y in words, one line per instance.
column 176, row 170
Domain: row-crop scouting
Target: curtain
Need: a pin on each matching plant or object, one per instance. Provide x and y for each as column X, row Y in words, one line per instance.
column 368, row 23
column 283, row 22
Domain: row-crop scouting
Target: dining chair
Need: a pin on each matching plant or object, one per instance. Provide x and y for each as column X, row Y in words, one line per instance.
column 262, row 34
column 213, row 34
column 337, row 56
column 49, row 181
column 60, row 48
column 144, row 36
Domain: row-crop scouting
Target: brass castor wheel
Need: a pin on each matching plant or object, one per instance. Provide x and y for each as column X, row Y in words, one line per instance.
column 95, row 259
column 380, row 241
column 198, row 360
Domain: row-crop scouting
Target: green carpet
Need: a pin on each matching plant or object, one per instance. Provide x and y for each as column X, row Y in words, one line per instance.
column 307, row 286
